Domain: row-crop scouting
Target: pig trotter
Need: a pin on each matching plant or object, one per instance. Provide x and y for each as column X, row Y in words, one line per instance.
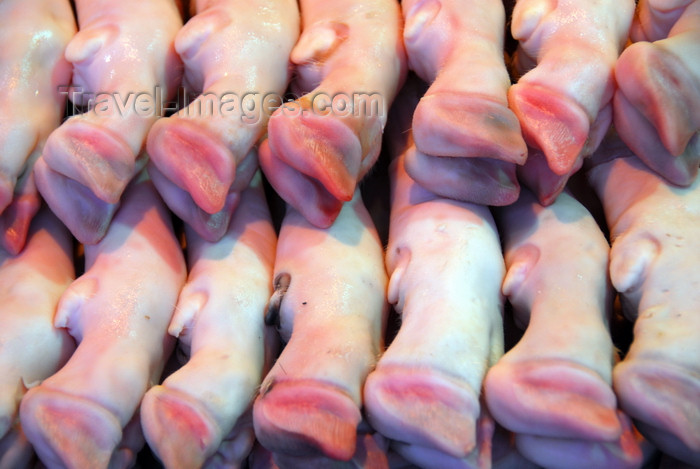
column 299, row 418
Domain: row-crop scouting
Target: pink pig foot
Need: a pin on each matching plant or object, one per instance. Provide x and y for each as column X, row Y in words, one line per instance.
column 552, row 398
column 93, row 156
column 304, row 418
column 179, row 429
column 640, row 136
column 69, row 431
column 662, row 88
column 194, row 160
column 315, row 160
column 551, row 122
column 422, row 407
column 664, row 401
column 656, row 111
column 467, row 125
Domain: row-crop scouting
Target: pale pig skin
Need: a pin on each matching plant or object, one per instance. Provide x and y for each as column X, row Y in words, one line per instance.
column 330, row 303
column 564, row 103
column 200, row 415
column 314, row 155
column 446, row 268
column 655, row 228
column 31, row 348
column 657, row 102
column 464, row 114
column 33, row 38
column 123, row 48
column 118, row 312
column 202, row 161
column 554, row 388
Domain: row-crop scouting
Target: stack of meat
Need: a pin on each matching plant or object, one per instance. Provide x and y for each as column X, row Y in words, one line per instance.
column 373, row 320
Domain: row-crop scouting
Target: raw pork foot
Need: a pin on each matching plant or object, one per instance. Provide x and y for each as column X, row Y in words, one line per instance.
column 554, row 388
column 421, row 395
column 200, row 415
column 204, row 154
column 657, row 103
column 350, row 63
column 122, row 53
column 656, row 231
column 462, row 114
column 330, row 304
column 85, row 415
column 462, row 126
column 563, row 97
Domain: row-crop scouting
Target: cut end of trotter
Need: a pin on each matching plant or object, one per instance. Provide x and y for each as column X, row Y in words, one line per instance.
column 552, row 398
column 467, row 125
column 551, row 122
column 93, row 156
column 424, row 408
column 194, row 160
column 641, row 137
column 320, row 146
column 179, row 431
column 659, row 86
column 662, row 397
column 302, row 418
column 69, row 431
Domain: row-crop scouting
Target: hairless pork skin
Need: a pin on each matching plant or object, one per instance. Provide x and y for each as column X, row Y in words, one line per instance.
column 200, row 415
column 31, row 347
column 118, row 311
column 446, row 268
column 655, row 228
column 468, row 141
column 330, row 304
column 33, row 38
column 237, row 55
column 350, row 62
column 563, row 98
column 123, row 57
column 553, row 389
column 657, row 102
